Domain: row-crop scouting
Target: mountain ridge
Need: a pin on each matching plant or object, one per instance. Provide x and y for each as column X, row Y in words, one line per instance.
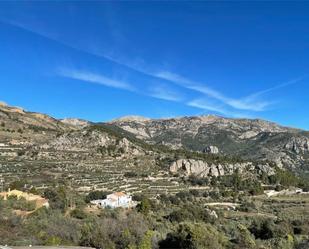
column 251, row 139
column 254, row 139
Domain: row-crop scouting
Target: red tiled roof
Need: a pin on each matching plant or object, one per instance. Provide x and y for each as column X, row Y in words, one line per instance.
column 119, row 194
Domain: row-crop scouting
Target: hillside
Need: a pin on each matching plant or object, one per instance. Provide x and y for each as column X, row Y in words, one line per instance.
column 179, row 171
column 40, row 150
column 252, row 139
column 18, row 126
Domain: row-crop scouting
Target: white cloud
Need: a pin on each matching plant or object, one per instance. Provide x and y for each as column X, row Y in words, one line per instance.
column 161, row 92
column 202, row 104
column 241, row 104
column 276, row 87
column 95, row 78
column 246, row 103
column 207, row 106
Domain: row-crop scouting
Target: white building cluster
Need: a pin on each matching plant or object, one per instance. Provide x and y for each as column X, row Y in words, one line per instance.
column 115, row 200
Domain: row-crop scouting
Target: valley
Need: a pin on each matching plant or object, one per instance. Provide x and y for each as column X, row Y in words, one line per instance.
column 188, row 176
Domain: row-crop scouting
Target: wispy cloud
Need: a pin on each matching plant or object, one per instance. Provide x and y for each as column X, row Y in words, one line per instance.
column 276, row 87
column 95, row 78
column 225, row 104
column 217, row 108
column 157, row 91
column 204, row 105
column 240, row 104
column 162, row 92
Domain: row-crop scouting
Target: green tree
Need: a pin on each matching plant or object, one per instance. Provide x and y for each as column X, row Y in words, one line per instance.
column 146, row 242
column 195, row 236
column 244, row 239
column 144, row 207
column 96, row 195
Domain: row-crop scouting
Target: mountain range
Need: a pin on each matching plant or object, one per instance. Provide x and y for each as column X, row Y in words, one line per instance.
column 250, row 139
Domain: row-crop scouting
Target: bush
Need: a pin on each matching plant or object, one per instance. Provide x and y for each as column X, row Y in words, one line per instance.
column 247, row 207
column 138, row 197
column 144, row 207
column 130, row 174
column 262, row 229
column 78, row 214
column 96, row 195
column 194, row 180
column 23, row 205
column 244, row 239
column 19, row 185
column 195, row 236
column 194, row 192
column 57, row 198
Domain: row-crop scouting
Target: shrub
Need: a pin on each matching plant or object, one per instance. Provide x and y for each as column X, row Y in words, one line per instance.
column 144, row 207
column 244, row 239
column 96, row 195
column 194, row 192
column 130, row 174
column 78, row 214
column 262, row 229
column 195, row 236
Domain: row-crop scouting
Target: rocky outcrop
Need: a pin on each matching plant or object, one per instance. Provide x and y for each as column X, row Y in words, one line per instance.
column 132, row 118
column 201, row 168
column 128, row 148
column 80, row 123
column 78, row 141
column 298, row 145
column 91, row 140
column 211, row 149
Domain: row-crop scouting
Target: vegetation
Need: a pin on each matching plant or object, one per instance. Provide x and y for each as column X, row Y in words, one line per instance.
column 170, row 221
column 70, row 167
column 96, row 195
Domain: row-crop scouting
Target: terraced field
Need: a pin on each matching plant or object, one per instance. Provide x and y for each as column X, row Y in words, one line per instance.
column 85, row 173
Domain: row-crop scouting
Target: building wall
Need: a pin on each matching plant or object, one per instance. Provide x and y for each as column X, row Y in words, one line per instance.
column 114, row 201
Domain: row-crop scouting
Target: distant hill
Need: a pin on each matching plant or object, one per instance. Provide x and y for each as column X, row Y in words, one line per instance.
column 249, row 138
column 138, row 154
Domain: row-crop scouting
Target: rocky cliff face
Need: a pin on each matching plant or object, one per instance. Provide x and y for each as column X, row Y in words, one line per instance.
column 201, row 168
column 298, row 145
column 92, row 140
column 251, row 139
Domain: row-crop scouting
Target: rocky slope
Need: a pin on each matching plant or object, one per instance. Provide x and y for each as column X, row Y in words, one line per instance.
column 79, row 123
column 250, row 139
column 253, row 139
column 35, row 132
column 92, row 140
column 202, row 168
column 18, row 126
column 41, row 149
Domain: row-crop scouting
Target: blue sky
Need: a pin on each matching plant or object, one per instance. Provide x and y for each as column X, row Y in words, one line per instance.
column 102, row 60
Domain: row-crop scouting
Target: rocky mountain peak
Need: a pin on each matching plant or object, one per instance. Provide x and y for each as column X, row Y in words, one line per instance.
column 249, row 138
column 131, row 118
column 2, row 103
column 75, row 122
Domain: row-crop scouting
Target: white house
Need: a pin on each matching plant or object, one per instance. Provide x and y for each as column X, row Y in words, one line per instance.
column 114, row 200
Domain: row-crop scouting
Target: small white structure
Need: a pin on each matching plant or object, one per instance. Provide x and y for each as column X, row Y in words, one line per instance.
column 292, row 191
column 115, row 200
